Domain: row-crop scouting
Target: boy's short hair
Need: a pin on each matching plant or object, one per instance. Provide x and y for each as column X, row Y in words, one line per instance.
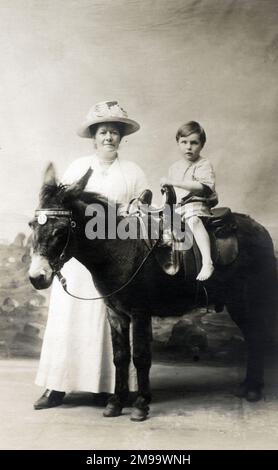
column 191, row 127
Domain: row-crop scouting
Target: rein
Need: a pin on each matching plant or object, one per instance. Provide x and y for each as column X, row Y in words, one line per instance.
column 64, row 282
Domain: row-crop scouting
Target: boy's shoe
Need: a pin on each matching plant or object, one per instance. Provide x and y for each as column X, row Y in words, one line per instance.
column 49, row 399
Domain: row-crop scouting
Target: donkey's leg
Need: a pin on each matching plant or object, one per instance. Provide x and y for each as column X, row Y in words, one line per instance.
column 119, row 324
column 261, row 296
column 249, row 317
column 254, row 381
column 142, row 337
column 251, row 387
column 254, row 330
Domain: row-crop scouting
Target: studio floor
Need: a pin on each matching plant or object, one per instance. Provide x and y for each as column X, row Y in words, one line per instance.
column 193, row 408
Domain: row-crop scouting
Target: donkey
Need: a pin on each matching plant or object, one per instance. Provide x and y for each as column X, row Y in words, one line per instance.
column 128, row 276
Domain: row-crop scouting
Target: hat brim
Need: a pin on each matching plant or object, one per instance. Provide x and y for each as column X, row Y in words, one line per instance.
column 129, row 127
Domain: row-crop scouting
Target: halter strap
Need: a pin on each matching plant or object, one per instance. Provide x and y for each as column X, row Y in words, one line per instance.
column 42, row 215
column 53, row 212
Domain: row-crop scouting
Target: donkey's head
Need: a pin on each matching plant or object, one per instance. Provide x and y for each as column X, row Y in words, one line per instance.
column 52, row 226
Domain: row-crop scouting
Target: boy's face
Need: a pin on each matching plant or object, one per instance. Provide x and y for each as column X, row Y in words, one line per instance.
column 190, row 147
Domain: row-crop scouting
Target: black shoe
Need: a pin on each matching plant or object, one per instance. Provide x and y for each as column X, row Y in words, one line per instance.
column 49, row 399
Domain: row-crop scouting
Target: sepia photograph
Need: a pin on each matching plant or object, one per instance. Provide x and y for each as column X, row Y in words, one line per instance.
column 139, row 228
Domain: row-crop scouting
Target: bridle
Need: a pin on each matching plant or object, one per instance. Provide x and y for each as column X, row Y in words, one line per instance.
column 41, row 216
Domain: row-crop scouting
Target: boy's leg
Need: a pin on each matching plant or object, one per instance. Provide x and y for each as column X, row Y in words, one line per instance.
column 202, row 239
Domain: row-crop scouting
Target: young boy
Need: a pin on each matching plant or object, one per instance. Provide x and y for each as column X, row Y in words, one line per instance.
column 193, row 175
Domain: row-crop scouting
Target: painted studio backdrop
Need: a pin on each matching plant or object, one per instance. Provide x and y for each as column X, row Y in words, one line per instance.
column 167, row 62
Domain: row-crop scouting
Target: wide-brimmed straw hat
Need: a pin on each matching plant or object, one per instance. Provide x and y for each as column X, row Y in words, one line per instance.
column 107, row 111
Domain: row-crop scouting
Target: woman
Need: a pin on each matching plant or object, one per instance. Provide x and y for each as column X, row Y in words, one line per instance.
column 77, row 348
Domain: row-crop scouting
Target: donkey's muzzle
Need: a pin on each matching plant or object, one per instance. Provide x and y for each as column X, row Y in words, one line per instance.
column 40, row 272
column 41, row 281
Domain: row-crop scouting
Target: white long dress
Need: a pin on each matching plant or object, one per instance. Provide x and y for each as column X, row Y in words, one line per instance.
column 77, row 348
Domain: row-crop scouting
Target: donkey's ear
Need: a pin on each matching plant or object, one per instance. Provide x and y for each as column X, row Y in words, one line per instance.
column 49, row 176
column 75, row 189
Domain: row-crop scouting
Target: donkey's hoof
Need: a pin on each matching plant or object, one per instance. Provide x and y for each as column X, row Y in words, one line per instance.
column 254, row 395
column 139, row 414
column 112, row 410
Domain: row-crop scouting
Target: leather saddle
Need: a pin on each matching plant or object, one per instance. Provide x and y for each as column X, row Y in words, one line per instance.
column 170, row 254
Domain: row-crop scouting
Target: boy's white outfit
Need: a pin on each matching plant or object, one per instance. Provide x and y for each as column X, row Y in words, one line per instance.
column 200, row 170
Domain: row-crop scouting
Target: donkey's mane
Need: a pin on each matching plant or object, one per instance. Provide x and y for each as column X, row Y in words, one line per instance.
column 96, row 198
column 88, row 198
column 51, row 191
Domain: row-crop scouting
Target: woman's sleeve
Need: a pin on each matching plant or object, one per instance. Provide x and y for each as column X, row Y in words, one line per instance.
column 205, row 175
